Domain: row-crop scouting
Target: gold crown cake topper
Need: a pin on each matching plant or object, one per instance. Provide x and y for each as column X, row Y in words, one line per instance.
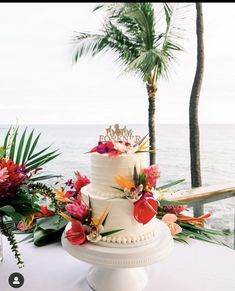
column 115, row 133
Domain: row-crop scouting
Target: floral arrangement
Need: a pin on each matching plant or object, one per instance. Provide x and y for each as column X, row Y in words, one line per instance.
column 148, row 202
column 19, row 181
column 140, row 190
column 115, row 149
column 69, row 206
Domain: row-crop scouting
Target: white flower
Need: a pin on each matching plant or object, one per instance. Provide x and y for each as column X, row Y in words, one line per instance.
column 95, row 236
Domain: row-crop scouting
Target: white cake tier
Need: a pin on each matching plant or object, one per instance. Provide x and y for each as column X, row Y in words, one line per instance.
column 105, row 169
column 121, row 217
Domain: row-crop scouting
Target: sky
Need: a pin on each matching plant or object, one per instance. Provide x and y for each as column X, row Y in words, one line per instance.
column 39, row 84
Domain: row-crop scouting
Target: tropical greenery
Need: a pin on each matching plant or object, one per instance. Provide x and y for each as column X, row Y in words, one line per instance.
column 20, row 163
column 146, row 38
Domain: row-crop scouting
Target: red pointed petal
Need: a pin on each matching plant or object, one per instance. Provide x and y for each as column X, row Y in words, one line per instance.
column 145, row 209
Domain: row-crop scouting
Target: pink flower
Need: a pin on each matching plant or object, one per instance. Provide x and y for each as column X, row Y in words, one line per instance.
column 174, row 208
column 76, row 234
column 79, row 211
column 151, row 173
column 3, row 175
column 170, row 219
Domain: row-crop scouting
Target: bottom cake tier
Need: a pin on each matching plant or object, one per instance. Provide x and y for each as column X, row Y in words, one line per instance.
column 121, row 216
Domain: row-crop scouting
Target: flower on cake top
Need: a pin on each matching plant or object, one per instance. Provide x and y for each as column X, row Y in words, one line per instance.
column 117, row 148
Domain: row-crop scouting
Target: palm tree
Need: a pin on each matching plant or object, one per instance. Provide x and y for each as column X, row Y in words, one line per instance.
column 145, row 41
column 193, row 107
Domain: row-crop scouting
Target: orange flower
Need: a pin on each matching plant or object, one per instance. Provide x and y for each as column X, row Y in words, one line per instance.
column 60, row 196
column 169, row 219
column 124, row 182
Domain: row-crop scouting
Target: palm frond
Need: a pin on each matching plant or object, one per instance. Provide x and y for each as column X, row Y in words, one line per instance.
column 23, row 152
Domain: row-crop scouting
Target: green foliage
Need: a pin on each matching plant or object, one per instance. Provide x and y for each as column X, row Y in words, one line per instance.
column 145, row 39
column 23, row 153
column 7, row 231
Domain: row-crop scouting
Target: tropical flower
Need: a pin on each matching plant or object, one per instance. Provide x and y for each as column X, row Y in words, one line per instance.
column 26, row 223
column 79, row 211
column 174, row 208
column 45, row 211
column 169, row 219
column 3, row 175
column 94, row 235
column 134, row 194
column 151, row 173
column 16, row 175
column 80, row 182
column 76, row 234
column 145, row 209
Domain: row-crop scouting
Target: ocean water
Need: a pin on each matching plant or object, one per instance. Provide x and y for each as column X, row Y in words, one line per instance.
column 173, row 156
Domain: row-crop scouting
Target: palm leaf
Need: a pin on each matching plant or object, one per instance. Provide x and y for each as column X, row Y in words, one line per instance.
column 20, row 147
column 6, row 140
column 34, row 146
column 13, row 145
column 41, row 162
column 27, row 147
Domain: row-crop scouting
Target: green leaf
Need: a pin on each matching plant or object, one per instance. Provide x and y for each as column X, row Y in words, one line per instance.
column 111, row 232
column 104, row 221
column 168, row 185
column 45, row 177
column 54, row 222
column 7, row 138
column 164, row 202
column 40, row 159
column 45, row 237
column 34, row 146
column 8, row 210
column 13, row 145
column 20, row 147
column 27, row 147
column 2, row 153
column 41, row 163
column 39, row 153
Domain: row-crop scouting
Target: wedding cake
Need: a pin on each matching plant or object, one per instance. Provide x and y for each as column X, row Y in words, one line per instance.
column 132, row 207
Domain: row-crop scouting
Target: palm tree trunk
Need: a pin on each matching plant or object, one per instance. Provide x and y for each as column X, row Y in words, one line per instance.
column 193, row 107
column 152, row 130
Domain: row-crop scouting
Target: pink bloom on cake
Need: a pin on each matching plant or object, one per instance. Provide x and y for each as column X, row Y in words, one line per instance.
column 81, row 182
column 151, row 173
column 79, row 211
column 170, row 219
column 3, row 175
column 76, row 234
column 174, row 208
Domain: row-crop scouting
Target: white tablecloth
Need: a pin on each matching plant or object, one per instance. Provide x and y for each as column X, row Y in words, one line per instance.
column 199, row 266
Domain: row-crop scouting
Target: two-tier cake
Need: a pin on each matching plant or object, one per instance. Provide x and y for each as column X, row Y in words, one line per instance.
column 123, row 184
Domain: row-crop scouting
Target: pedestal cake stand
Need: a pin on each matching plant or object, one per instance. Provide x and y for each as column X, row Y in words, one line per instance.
column 121, row 268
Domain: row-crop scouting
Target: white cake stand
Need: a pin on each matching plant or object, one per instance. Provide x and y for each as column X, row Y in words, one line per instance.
column 119, row 269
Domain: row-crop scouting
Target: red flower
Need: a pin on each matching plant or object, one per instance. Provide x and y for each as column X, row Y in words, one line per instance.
column 145, row 209
column 76, row 234
column 45, row 211
column 151, row 173
column 78, row 211
column 16, row 176
column 81, row 182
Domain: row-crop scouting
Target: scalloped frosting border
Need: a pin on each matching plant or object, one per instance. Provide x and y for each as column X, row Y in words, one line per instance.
column 132, row 239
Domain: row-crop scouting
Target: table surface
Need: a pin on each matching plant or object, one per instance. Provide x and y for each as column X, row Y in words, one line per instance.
column 198, row 266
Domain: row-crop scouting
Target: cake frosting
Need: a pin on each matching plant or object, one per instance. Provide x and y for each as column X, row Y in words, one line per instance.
column 102, row 195
column 104, row 169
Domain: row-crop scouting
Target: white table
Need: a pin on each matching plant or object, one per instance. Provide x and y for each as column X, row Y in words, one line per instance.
column 199, row 266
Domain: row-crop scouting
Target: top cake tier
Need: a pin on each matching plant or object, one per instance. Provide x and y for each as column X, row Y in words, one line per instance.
column 104, row 169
